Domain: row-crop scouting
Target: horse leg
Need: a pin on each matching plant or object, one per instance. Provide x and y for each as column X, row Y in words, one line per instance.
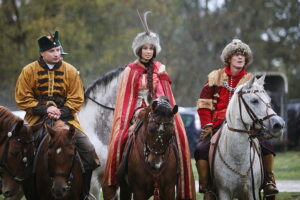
column 223, row 195
column 110, row 192
column 140, row 195
column 168, row 193
column 125, row 193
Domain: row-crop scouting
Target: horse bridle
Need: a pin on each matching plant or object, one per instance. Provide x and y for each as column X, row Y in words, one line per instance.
column 161, row 131
column 69, row 176
column 253, row 132
column 3, row 162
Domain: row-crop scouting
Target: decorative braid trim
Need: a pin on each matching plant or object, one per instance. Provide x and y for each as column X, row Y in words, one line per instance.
column 205, row 103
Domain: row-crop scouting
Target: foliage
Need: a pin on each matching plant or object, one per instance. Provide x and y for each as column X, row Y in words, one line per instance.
column 97, row 34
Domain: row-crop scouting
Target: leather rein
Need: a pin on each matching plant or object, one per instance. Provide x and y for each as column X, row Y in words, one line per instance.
column 25, row 161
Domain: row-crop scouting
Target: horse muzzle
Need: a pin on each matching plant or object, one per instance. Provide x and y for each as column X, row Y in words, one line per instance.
column 59, row 190
column 277, row 126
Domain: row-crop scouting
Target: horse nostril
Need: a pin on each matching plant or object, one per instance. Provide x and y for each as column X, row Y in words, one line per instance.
column 277, row 126
column 64, row 190
column 7, row 194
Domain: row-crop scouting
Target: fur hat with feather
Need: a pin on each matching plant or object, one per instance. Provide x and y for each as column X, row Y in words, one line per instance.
column 146, row 37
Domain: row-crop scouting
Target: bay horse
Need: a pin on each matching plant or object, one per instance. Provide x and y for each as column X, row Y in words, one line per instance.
column 58, row 165
column 237, row 170
column 16, row 153
column 96, row 118
column 152, row 161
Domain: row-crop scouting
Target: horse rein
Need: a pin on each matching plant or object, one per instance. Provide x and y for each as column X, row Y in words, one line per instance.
column 100, row 104
column 3, row 162
column 254, row 132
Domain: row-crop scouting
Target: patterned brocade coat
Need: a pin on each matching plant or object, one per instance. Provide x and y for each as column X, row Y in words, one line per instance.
column 127, row 103
column 61, row 86
column 216, row 94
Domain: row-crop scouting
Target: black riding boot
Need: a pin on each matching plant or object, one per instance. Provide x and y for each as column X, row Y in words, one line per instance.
column 87, row 176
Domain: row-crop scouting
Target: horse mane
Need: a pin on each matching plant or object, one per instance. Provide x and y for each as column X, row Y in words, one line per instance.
column 59, row 124
column 103, row 80
column 7, row 118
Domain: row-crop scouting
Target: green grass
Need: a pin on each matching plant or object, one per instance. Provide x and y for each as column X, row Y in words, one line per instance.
column 287, row 166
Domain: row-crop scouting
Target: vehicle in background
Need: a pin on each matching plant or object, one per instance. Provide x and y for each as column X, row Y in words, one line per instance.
column 19, row 113
column 293, row 110
column 192, row 126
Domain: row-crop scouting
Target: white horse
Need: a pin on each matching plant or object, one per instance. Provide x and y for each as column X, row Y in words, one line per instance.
column 96, row 119
column 237, row 170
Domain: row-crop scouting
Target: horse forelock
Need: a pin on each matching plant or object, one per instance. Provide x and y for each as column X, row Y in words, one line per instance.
column 163, row 109
column 7, row 118
column 104, row 80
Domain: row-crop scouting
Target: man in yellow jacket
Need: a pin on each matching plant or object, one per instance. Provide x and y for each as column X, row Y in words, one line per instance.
column 51, row 88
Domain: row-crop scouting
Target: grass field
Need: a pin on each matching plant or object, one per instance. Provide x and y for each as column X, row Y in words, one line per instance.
column 287, row 167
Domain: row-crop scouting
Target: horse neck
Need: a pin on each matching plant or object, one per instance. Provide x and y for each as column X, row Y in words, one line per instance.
column 235, row 142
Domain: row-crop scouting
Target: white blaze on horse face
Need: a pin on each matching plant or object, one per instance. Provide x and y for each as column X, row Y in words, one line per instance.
column 161, row 127
column 58, row 150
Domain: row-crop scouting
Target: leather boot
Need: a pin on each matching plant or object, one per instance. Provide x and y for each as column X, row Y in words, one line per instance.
column 87, row 176
column 269, row 187
column 203, row 171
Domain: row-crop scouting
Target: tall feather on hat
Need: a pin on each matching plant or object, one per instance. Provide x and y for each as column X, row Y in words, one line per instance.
column 147, row 37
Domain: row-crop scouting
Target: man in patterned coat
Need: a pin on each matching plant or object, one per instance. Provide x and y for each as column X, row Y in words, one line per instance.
column 51, row 88
column 212, row 105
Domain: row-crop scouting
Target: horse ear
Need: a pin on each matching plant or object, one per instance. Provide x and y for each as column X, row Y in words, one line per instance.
column 51, row 132
column 154, row 104
column 19, row 125
column 250, row 82
column 175, row 109
column 261, row 80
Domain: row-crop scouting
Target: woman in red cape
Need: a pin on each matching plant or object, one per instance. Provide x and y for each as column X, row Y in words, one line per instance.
column 143, row 80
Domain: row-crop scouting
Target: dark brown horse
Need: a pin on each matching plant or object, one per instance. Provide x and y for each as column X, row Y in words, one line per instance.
column 152, row 161
column 58, row 168
column 16, row 152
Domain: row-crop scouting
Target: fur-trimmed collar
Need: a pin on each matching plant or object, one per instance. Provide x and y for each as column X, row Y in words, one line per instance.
column 217, row 78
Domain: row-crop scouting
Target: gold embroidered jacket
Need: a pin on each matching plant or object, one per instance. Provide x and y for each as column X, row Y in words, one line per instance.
column 38, row 85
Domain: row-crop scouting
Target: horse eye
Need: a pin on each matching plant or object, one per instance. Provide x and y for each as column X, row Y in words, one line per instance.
column 254, row 101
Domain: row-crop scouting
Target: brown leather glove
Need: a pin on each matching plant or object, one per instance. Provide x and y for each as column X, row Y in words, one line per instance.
column 207, row 131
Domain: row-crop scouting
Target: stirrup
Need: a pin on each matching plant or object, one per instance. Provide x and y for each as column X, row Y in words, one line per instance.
column 270, row 192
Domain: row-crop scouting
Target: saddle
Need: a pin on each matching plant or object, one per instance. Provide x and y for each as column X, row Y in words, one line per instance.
column 212, row 151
